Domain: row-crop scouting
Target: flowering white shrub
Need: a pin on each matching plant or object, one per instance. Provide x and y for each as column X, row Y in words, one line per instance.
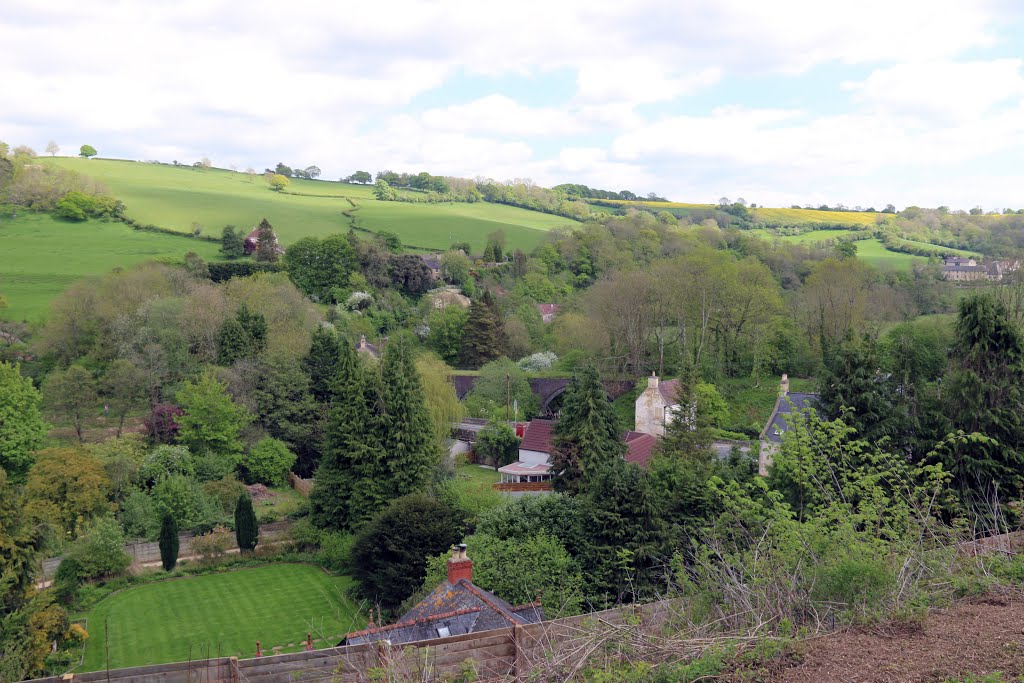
column 537, row 362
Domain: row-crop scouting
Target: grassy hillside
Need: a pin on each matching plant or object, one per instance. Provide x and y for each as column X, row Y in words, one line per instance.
column 42, row 256
column 176, row 196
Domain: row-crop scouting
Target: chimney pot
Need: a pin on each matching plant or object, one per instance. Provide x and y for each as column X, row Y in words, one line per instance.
column 459, row 565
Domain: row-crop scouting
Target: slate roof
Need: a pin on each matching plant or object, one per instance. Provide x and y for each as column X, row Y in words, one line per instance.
column 784, row 406
column 432, row 261
column 539, row 436
column 460, row 608
column 669, row 390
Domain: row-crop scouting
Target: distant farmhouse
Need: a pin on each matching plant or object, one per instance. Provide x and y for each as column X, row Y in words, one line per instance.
column 252, row 241
column 967, row 269
column 454, row 608
column 547, row 312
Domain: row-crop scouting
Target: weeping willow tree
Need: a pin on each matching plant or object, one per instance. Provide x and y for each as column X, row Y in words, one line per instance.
column 443, row 405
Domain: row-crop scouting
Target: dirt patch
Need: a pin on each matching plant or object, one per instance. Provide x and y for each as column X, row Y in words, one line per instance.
column 974, row 637
column 260, row 492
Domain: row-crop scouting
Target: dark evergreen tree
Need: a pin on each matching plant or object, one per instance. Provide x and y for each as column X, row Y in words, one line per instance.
column 266, row 243
column 347, row 489
column 247, row 530
column 232, row 243
column 483, row 336
column 255, row 325
column 168, row 542
column 233, row 342
column 854, row 381
column 983, row 394
column 411, row 452
column 587, row 434
column 286, row 410
column 688, row 433
column 628, row 540
column 321, row 363
column 388, row 555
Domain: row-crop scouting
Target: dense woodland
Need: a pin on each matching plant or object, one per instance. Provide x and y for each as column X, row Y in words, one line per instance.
column 245, row 371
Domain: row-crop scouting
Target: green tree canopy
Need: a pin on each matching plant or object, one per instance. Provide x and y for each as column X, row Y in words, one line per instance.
column 21, row 425
column 212, row 422
column 483, row 337
column 497, row 444
column 87, row 151
column 72, row 394
column 389, row 555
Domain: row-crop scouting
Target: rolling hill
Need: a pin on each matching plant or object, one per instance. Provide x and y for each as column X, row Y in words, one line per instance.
column 175, row 197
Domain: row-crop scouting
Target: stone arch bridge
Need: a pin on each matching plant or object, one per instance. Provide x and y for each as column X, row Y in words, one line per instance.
column 547, row 389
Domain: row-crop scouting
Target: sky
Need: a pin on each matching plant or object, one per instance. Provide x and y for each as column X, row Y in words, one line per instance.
column 794, row 101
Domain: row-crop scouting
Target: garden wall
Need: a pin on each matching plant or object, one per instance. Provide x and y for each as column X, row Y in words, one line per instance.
column 149, row 551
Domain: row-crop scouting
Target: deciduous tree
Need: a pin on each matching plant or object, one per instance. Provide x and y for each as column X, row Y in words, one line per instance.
column 21, row 425
column 72, row 394
column 212, row 422
column 497, row 444
column 87, row 151
column 68, row 486
column 125, row 388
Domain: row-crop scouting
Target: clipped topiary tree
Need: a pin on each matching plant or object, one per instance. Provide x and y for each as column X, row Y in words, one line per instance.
column 168, row 543
column 247, row 531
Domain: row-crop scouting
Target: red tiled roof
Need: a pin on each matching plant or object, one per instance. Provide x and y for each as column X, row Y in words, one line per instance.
column 539, row 436
column 545, row 309
column 640, row 448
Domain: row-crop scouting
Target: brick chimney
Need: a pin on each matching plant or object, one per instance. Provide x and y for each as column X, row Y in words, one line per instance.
column 459, row 565
column 784, row 385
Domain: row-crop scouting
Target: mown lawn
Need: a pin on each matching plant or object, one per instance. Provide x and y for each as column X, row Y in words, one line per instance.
column 176, row 196
column 43, row 256
column 221, row 615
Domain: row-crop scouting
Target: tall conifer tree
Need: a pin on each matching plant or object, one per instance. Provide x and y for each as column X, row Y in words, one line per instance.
column 587, row 434
column 483, row 337
column 321, row 363
column 168, row 543
column 247, row 530
column 411, row 451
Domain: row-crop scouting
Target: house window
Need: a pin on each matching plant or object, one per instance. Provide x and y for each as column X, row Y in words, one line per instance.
column 443, row 632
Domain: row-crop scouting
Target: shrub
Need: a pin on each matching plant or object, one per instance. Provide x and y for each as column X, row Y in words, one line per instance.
column 212, row 547
column 335, row 551
column 100, row 550
column 247, row 530
column 269, row 462
column 77, row 634
column 224, row 492
column 67, row 580
column 538, row 362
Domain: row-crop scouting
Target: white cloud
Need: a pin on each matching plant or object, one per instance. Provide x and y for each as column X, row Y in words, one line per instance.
column 336, row 84
column 502, row 115
column 946, row 89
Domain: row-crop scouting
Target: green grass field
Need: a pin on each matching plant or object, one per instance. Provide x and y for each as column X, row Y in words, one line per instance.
column 872, row 251
column 176, row 196
column 178, row 619
column 43, row 256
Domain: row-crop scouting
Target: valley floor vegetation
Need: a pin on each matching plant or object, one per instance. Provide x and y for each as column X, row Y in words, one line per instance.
column 229, row 372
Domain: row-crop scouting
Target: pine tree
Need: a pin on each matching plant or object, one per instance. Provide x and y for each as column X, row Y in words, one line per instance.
column 347, row 489
column 687, row 433
column 483, row 336
column 233, row 342
column 407, row 427
column 168, row 543
column 854, row 381
column 232, row 243
column 984, row 395
column 255, row 325
column 587, row 434
column 266, row 243
column 321, row 363
column 247, row 530
column 628, row 539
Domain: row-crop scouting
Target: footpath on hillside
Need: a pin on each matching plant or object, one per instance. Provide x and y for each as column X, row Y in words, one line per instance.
column 974, row 638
